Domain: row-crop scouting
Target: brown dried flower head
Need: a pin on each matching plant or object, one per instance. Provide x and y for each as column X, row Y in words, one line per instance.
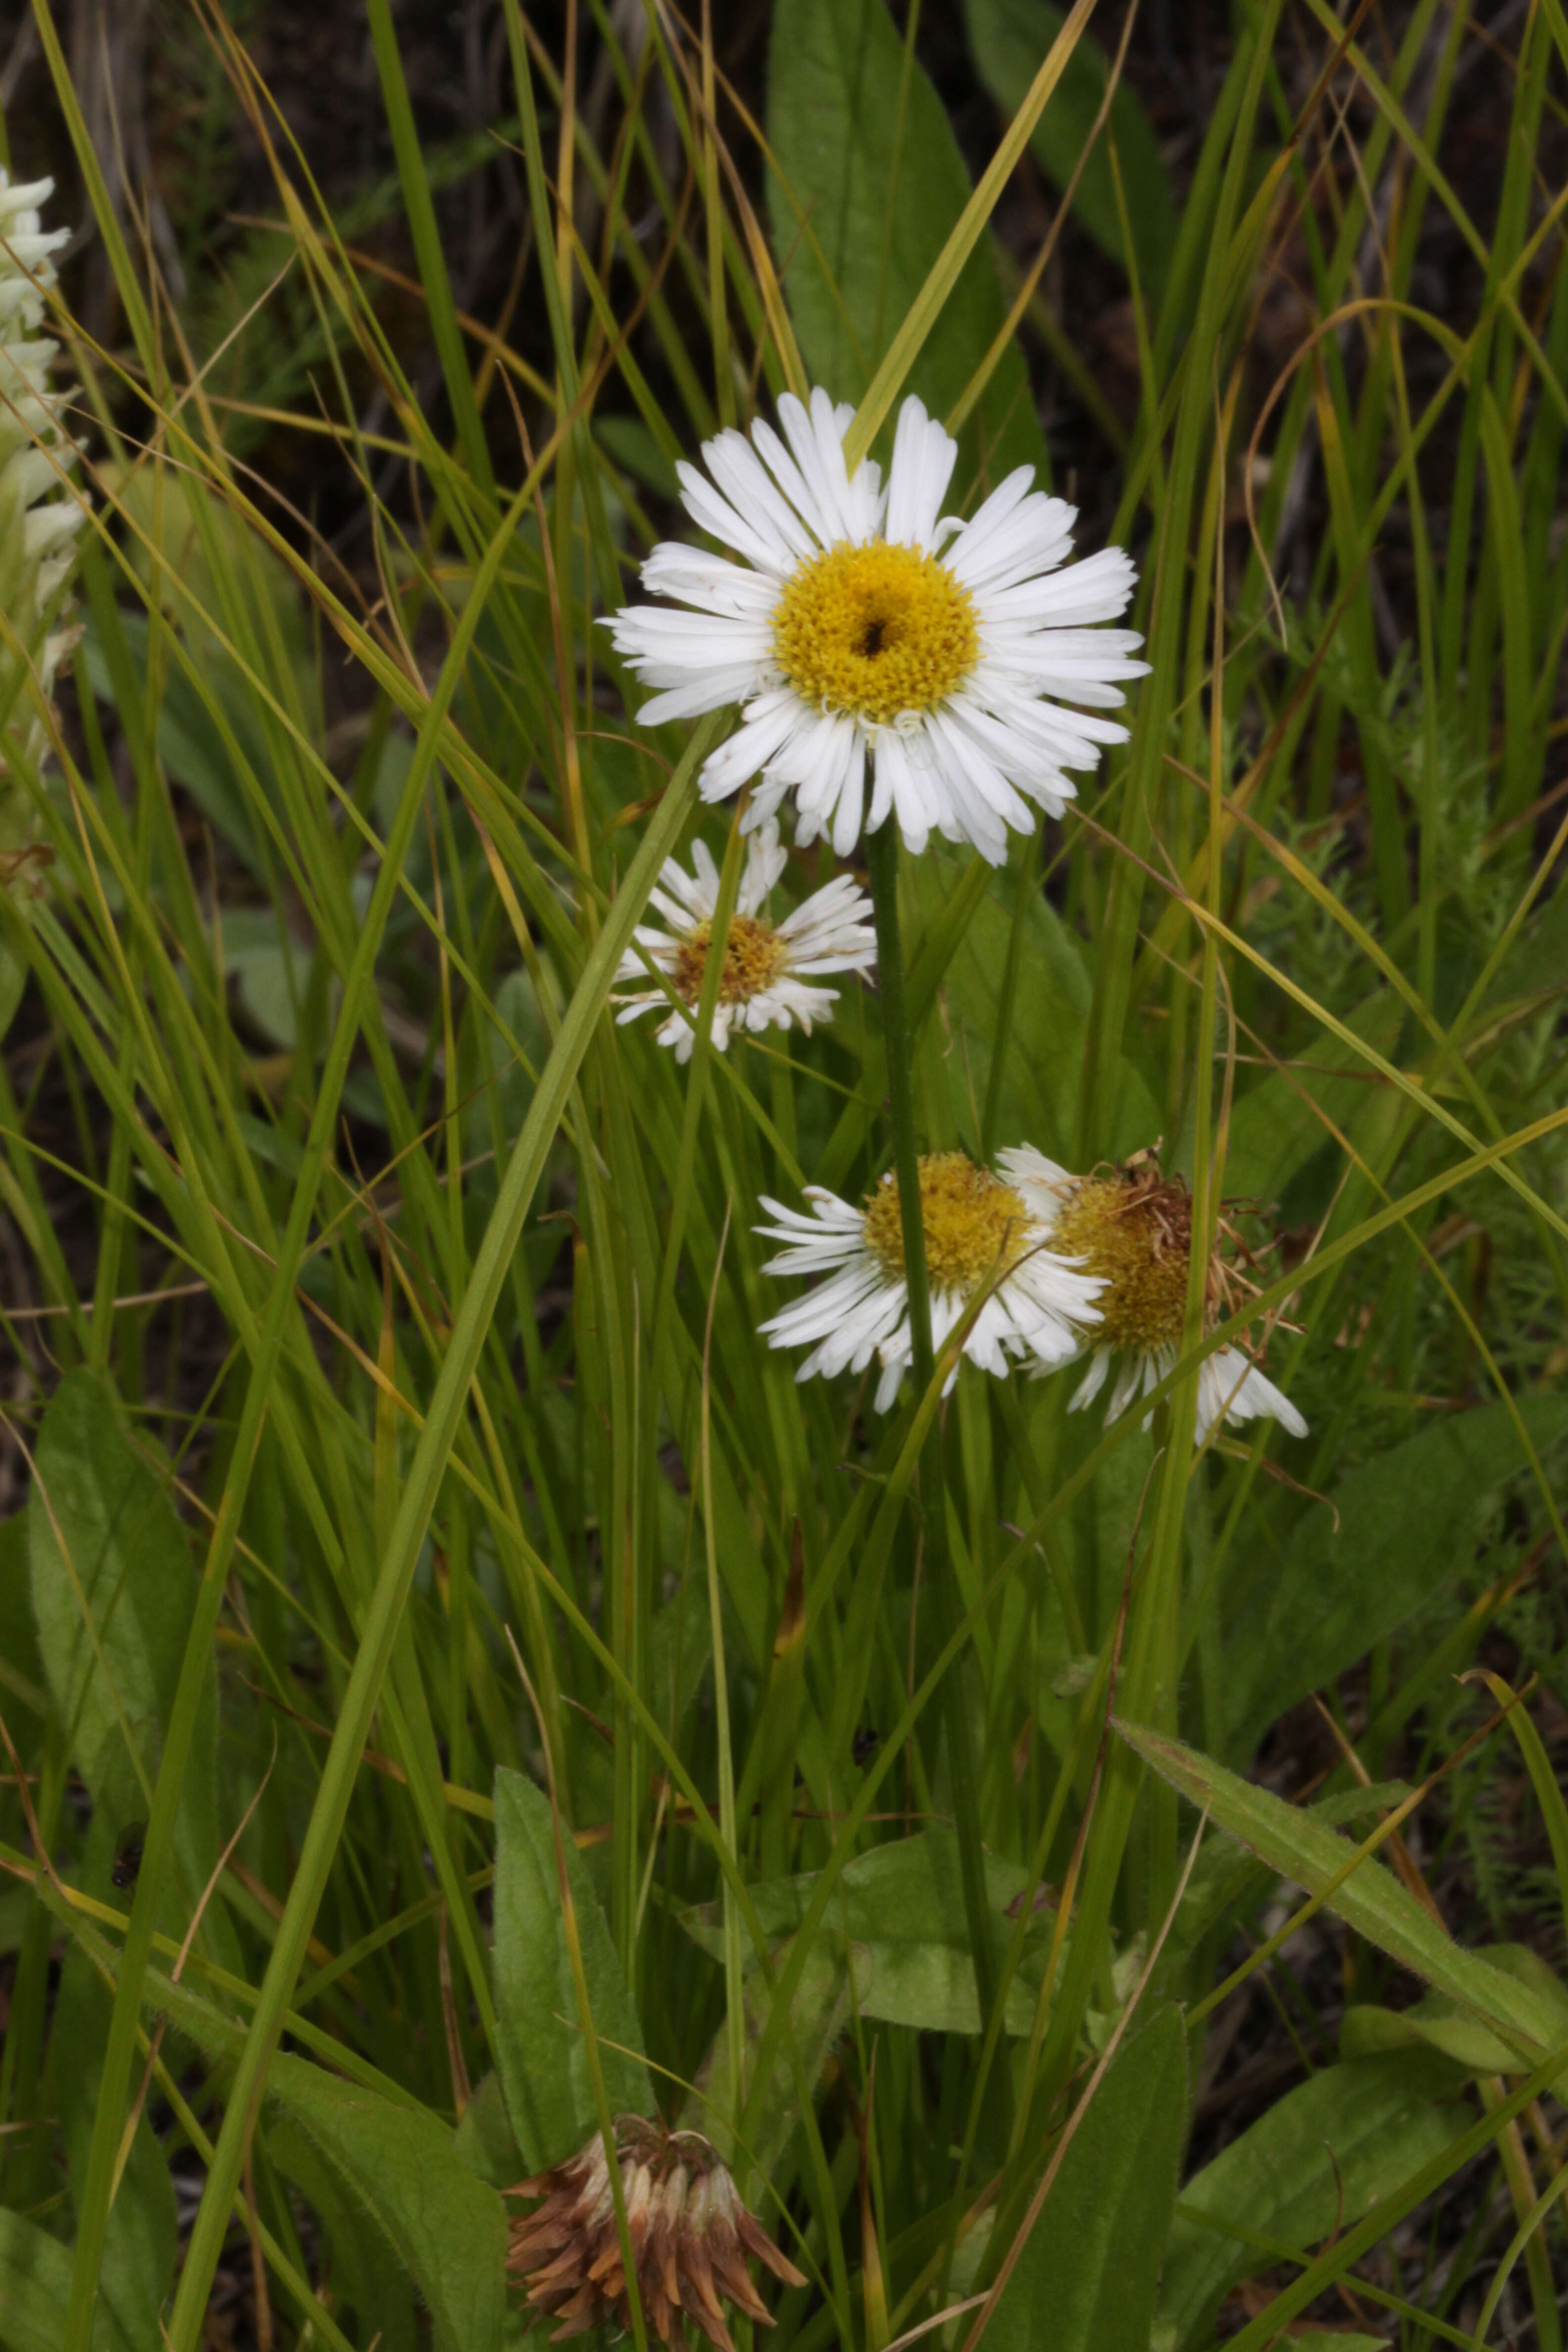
column 690, row 2234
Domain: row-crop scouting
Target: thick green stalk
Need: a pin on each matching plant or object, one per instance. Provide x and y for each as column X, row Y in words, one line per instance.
column 882, row 858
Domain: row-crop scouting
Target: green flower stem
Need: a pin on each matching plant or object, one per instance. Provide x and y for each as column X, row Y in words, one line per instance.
column 882, row 859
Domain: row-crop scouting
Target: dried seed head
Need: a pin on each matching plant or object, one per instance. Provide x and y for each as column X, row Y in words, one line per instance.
column 690, row 2235
column 1133, row 1227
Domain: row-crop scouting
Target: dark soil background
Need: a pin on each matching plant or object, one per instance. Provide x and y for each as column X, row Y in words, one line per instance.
column 164, row 121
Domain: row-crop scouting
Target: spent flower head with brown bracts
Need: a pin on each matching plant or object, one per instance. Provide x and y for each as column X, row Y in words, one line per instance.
column 888, row 659
column 768, row 967
column 1131, row 1227
column 979, row 1229
column 691, row 2235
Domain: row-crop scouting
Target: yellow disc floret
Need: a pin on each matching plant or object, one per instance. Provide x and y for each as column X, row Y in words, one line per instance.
column 875, row 631
column 1135, row 1230
column 973, row 1223
column 752, row 955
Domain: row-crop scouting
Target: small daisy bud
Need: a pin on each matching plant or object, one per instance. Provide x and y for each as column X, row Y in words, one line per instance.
column 690, row 2235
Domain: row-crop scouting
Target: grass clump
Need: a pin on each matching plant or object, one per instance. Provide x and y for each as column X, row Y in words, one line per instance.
column 468, row 1708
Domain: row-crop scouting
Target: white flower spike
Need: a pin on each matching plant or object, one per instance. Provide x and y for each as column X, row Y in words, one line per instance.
column 890, row 660
column 1131, row 1228
column 39, row 518
column 975, row 1224
column 767, row 968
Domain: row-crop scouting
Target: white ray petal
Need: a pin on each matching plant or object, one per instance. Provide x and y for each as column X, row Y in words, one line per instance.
column 924, row 455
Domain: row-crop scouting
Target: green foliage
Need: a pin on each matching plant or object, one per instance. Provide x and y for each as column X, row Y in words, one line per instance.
column 1009, row 39
column 34, row 2272
column 1442, row 2023
column 1377, row 1554
column 1531, row 2020
column 1027, row 1070
column 379, row 1302
column 399, row 2168
column 544, row 2064
column 869, row 182
column 378, row 2291
column 139, row 2236
column 898, row 1928
column 1317, row 2160
column 1089, row 2271
column 1323, row 2339
column 112, row 1594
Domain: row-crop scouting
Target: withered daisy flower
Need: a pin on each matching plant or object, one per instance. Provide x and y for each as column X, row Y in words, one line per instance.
column 890, row 660
column 977, row 1226
column 1131, row 1227
column 689, row 2232
column 769, row 968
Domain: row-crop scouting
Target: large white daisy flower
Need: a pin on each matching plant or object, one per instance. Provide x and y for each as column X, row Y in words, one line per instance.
column 975, row 1224
column 766, row 967
column 889, row 659
column 1132, row 1228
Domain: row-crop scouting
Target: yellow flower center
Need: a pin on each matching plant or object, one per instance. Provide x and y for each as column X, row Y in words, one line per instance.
column 752, row 955
column 1135, row 1231
column 970, row 1220
column 875, row 631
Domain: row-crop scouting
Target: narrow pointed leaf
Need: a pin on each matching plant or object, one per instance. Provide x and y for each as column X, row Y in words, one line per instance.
column 1357, row 1887
column 1090, row 2272
column 543, row 2059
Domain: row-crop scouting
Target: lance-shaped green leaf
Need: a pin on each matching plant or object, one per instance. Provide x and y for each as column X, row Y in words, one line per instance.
column 870, row 184
column 1441, row 2025
column 1317, row 2159
column 1278, row 1124
column 1009, row 38
column 1087, row 2278
column 34, row 2285
column 1042, row 1042
column 397, row 2173
column 380, row 2294
column 403, row 2174
column 1357, row 1888
column 544, row 2058
column 819, row 2012
column 898, row 1926
column 1362, row 1564
column 112, row 1595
